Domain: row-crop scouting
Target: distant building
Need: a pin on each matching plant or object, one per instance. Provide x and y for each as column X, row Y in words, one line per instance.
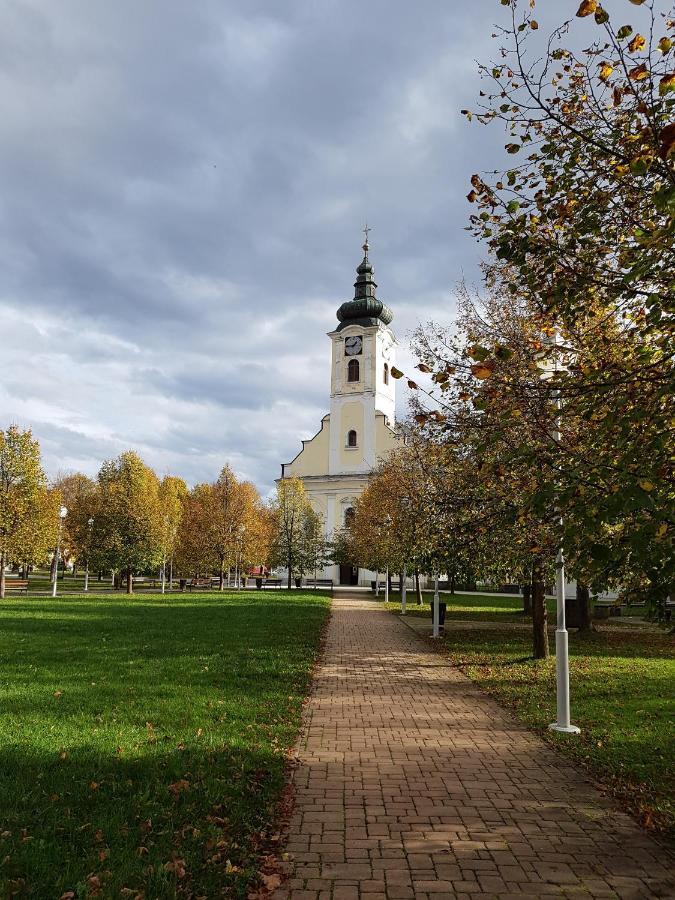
column 359, row 430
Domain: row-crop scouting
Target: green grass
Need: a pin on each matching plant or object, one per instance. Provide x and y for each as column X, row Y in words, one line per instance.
column 622, row 696
column 144, row 739
column 474, row 607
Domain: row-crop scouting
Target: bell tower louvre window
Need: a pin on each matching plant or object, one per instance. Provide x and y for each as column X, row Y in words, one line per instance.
column 351, row 438
column 353, row 370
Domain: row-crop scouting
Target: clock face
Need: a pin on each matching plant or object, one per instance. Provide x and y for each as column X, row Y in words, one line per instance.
column 353, row 345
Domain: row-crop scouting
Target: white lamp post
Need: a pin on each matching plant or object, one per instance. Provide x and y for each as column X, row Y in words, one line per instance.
column 436, row 619
column 90, row 525
column 63, row 512
column 387, row 525
column 240, row 566
column 562, row 665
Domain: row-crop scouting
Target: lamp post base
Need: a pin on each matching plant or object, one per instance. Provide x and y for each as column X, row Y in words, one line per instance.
column 565, row 729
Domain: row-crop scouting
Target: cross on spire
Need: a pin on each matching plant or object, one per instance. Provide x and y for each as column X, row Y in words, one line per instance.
column 366, row 231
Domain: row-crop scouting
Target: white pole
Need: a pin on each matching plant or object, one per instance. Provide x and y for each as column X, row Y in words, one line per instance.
column 377, row 584
column 386, row 586
column 437, row 628
column 562, row 663
column 164, row 575
column 56, row 560
column 86, row 577
column 403, row 591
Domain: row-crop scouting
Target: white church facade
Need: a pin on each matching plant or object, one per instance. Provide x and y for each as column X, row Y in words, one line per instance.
column 359, row 431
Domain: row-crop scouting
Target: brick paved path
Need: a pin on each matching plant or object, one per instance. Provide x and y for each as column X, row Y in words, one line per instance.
column 413, row 784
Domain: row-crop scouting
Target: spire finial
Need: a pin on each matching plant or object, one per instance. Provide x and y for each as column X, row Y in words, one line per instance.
column 366, row 245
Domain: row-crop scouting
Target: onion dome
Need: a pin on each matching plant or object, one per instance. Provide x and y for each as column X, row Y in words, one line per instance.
column 365, row 309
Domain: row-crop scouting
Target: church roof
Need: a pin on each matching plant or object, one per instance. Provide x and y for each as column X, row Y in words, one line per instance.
column 365, row 308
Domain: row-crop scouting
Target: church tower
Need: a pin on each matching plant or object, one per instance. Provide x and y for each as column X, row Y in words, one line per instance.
column 363, row 352
column 358, row 432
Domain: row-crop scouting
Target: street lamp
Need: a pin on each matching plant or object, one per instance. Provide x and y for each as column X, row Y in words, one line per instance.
column 90, row 525
column 63, row 512
column 562, row 664
column 387, row 524
column 240, row 564
column 405, row 501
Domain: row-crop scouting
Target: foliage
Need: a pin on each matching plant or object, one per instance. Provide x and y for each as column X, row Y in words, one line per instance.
column 25, row 505
column 128, row 535
column 582, row 231
column 295, row 520
column 148, row 756
column 78, row 495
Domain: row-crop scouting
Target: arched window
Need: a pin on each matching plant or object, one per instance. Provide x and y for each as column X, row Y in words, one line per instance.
column 353, row 370
column 349, row 516
column 386, row 373
column 351, row 438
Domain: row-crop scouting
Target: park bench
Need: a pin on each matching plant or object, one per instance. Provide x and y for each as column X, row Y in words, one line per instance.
column 199, row 584
column 272, row 582
column 603, row 609
column 16, row 584
column 319, row 582
column 393, row 585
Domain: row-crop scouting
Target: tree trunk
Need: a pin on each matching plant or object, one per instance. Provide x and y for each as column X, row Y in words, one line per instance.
column 2, row 575
column 539, row 616
column 221, row 583
column 53, row 569
column 452, row 584
column 290, row 573
column 130, row 582
column 418, row 587
column 584, row 607
column 527, row 598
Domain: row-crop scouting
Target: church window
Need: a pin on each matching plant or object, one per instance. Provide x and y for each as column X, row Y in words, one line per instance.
column 353, row 370
column 386, row 373
column 351, row 438
column 349, row 517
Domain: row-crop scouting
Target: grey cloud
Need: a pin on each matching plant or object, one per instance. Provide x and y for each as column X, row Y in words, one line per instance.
column 183, row 191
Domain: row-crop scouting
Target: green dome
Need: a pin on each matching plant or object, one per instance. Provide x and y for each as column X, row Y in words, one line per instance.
column 365, row 308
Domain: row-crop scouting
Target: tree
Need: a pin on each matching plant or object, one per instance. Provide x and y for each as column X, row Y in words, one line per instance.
column 79, row 496
column 172, row 495
column 582, row 228
column 129, row 520
column 292, row 510
column 23, row 496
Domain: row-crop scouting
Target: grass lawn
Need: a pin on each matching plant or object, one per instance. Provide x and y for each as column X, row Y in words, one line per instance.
column 468, row 606
column 622, row 695
column 144, row 739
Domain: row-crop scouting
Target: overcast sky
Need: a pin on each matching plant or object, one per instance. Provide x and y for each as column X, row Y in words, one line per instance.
column 184, row 186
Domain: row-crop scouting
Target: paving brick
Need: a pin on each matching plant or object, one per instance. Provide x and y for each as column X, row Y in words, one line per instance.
column 413, row 785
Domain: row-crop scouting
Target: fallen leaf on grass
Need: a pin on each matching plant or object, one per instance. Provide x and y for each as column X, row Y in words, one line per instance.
column 179, row 787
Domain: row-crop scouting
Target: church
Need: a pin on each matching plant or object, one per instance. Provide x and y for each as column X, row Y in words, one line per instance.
column 359, row 431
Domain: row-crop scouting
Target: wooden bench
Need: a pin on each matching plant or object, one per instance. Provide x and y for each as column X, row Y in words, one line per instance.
column 272, row 582
column 393, row 586
column 603, row 609
column 199, row 584
column 319, row 582
column 16, row 584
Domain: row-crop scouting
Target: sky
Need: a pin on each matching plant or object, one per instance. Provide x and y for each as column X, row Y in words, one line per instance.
column 184, row 191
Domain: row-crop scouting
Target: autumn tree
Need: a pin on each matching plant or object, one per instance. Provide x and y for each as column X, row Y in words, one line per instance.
column 582, row 229
column 172, row 494
column 129, row 517
column 292, row 511
column 79, row 496
column 23, row 497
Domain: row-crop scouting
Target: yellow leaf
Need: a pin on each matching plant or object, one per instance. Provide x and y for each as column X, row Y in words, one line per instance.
column 637, row 43
column 665, row 44
column 638, row 73
column 587, row 8
column 534, row 24
column 646, row 486
column 667, row 83
column 481, row 370
column 605, row 70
